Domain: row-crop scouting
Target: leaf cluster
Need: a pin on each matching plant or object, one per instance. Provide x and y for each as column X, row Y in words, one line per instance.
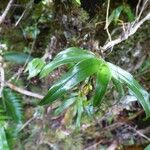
column 86, row 65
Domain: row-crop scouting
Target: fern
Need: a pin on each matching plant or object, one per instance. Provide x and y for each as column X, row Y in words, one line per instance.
column 10, row 116
column 13, row 105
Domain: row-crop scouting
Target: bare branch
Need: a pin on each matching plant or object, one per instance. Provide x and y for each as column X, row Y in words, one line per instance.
column 130, row 31
column 3, row 16
column 24, row 92
column 137, row 7
column 28, row 6
column 107, row 20
column 142, row 9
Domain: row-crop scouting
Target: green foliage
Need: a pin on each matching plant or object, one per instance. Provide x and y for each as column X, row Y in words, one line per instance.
column 127, row 10
column 78, row 1
column 147, row 147
column 70, row 55
column 102, row 81
column 31, row 31
column 16, row 57
column 124, row 77
column 79, row 110
column 85, row 64
column 10, row 117
column 13, row 105
column 114, row 16
column 65, row 104
column 78, row 73
column 3, row 140
column 34, row 67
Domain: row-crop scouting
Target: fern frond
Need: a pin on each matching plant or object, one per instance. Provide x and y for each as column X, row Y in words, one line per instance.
column 13, row 105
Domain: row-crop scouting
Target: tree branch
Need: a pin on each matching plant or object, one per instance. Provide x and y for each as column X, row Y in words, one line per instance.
column 130, row 31
column 24, row 92
column 3, row 16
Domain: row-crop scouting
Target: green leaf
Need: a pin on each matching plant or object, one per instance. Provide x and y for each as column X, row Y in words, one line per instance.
column 16, row 57
column 3, row 117
column 3, row 139
column 80, row 72
column 147, row 147
column 119, row 87
column 125, row 77
column 66, row 104
column 127, row 10
column 70, row 55
column 78, row 1
column 13, row 104
column 79, row 107
column 115, row 15
column 102, row 81
column 34, row 67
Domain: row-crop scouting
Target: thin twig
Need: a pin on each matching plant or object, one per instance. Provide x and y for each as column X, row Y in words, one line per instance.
column 29, row 4
column 27, row 123
column 140, row 133
column 3, row 16
column 142, row 9
column 107, row 21
column 94, row 146
column 131, row 31
column 137, row 8
column 24, row 92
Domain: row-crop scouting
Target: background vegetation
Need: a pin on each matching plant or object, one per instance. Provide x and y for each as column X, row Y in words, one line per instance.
column 65, row 74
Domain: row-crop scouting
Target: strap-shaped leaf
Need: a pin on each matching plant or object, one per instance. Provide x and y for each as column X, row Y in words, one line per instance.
column 70, row 55
column 125, row 77
column 128, row 11
column 3, row 139
column 79, row 107
column 16, row 57
column 102, row 81
column 78, row 73
column 119, row 87
column 114, row 15
column 67, row 103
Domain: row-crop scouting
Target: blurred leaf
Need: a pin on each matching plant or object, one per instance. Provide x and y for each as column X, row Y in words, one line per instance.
column 80, row 72
column 3, row 139
column 127, row 10
column 3, row 117
column 147, row 147
column 119, row 87
column 125, row 77
column 115, row 15
column 70, row 55
column 16, row 57
column 67, row 103
column 79, row 107
column 13, row 104
column 102, row 81
column 78, row 1
column 34, row 67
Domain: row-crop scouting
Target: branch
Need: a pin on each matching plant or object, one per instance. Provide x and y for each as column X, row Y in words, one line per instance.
column 2, row 79
column 24, row 92
column 3, row 16
column 130, row 31
column 3, row 83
